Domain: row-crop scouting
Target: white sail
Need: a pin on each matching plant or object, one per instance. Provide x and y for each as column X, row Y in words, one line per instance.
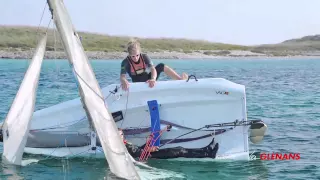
column 118, row 158
column 17, row 124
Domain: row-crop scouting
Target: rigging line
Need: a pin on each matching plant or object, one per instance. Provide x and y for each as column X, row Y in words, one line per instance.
column 37, row 32
column 181, row 136
column 54, row 47
column 55, row 51
column 65, row 124
column 235, row 123
column 44, row 8
column 61, row 125
column 61, row 145
column 48, row 25
column 48, row 157
column 145, row 118
column 29, row 60
column 55, row 56
column 88, row 85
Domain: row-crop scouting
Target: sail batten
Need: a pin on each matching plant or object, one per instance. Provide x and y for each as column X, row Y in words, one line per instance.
column 17, row 124
column 98, row 115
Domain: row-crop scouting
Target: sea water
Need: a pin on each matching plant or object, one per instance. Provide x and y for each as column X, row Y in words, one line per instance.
column 285, row 93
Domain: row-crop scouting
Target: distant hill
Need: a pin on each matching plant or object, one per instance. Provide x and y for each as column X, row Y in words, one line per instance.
column 315, row 38
column 24, row 38
column 298, row 45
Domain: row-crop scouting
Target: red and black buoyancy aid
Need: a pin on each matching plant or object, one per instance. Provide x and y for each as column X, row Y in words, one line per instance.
column 138, row 70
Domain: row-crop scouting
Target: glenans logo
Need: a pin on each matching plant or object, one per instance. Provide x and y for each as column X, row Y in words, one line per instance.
column 275, row 156
column 222, row 92
column 280, row 156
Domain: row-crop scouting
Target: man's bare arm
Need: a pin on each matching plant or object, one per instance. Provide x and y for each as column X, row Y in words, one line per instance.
column 123, row 78
column 153, row 73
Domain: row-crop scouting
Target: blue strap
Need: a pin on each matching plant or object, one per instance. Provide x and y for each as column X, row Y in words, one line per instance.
column 155, row 121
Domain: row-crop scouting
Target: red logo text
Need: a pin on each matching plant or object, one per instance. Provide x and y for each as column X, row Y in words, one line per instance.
column 279, row 156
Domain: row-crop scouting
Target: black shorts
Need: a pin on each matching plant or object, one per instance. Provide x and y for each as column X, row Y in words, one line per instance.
column 159, row 68
column 146, row 76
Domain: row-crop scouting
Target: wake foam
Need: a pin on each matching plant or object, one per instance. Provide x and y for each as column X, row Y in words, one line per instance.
column 155, row 173
column 26, row 162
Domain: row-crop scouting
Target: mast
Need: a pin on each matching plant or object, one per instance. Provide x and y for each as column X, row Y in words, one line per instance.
column 17, row 124
column 93, row 102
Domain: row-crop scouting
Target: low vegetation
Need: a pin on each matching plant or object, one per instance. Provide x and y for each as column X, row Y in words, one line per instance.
column 25, row 38
column 13, row 38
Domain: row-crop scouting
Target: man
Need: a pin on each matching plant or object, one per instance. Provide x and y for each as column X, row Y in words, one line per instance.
column 141, row 69
column 209, row 151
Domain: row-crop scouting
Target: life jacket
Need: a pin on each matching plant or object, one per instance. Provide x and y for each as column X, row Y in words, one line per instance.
column 137, row 69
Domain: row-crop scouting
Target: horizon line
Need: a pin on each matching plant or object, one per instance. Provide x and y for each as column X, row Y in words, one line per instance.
column 151, row 38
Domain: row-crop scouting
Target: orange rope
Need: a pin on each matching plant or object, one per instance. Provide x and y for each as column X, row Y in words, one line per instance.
column 146, row 147
column 147, row 150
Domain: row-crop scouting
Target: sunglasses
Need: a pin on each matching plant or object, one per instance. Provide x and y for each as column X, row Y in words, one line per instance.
column 132, row 56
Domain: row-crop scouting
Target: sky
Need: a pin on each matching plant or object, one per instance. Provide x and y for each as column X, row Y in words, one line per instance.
column 244, row 22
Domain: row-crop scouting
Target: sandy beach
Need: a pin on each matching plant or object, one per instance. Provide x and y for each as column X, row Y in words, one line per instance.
column 154, row 55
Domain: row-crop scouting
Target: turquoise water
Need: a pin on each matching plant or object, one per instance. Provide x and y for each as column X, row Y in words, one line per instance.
column 284, row 93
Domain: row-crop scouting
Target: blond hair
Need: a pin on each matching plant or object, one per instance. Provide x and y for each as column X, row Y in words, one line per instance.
column 133, row 46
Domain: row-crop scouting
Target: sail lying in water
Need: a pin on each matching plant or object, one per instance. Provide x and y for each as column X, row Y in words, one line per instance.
column 16, row 126
column 118, row 158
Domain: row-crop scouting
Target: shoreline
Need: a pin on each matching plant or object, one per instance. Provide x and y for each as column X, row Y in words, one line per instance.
column 168, row 55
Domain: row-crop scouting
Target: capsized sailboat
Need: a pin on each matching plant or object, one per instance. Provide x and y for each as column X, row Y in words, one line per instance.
column 92, row 100
column 208, row 120
column 207, row 117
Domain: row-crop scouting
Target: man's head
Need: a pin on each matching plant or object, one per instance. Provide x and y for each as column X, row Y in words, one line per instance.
column 134, row 50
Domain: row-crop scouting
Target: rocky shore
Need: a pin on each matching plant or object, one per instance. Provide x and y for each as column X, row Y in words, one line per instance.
column 18, row 54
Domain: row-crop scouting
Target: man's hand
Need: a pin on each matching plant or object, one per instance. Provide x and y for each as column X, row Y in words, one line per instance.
column 153, row 149
column 124, row 82
column 151, row 82
column 125, row 85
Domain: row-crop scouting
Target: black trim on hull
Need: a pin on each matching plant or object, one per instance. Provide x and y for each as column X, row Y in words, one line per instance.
column 165, row 141
column 209, row 151
column 134, row 131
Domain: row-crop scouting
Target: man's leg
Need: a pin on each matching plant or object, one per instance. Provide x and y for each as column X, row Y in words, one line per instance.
column 169, row 72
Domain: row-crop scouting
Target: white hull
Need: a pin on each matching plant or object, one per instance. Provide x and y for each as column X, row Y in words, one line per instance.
column 186, row 105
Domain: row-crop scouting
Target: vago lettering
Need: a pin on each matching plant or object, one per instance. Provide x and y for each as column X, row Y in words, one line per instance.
column 222, row 92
